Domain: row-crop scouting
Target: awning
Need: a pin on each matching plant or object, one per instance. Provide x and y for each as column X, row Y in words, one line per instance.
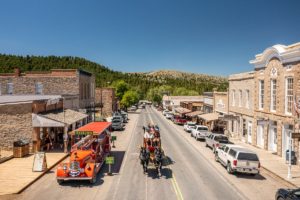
column 209, row 116
column 39, row 121
column 67, row 117
column 95, row 127
column 193, row 114
column 182, row 110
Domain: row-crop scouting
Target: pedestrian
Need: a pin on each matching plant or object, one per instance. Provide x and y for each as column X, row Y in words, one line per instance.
column 48, row 142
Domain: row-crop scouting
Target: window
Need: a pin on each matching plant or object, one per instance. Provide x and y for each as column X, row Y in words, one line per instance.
column 247, row 99
column 232, row 153
column 0, row 88
column 289, row 95
column 273, row 95
column 233, row 97
column 10, row 88
column 240, row 98
column 38, row 88
column 261, row 94
column 247, row 156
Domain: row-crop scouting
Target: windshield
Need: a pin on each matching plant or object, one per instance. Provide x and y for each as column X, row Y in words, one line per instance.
column 247, row 156
column 221, row 138
column 202, row 129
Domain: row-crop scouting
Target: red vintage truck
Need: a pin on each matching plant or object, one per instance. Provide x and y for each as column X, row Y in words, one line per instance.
column 91, row 145
column 179, row 120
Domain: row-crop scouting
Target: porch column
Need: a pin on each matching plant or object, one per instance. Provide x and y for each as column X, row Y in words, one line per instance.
column 66, row 139
column 36, row 140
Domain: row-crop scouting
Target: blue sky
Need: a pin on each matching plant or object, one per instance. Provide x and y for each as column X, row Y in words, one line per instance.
column 211, row 37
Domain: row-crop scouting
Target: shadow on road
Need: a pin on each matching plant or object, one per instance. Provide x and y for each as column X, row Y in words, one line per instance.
column 248, row 176
column 165, row 173
column 168, row 161
column 115, row 168
column 84, row 183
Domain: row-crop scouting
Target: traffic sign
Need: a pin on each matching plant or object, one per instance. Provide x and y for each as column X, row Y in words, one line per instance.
column 110, row 160
column 113, row 138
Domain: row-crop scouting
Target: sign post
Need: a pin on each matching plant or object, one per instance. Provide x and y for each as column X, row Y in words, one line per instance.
column 110, row 160
column 113, row 138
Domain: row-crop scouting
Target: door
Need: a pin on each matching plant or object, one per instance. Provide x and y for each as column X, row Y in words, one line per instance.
column 250, row 132
column 272, row 139
column 286, row 140
column 260, row 136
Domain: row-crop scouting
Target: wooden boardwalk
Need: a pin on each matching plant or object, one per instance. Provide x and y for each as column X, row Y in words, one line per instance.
column 16, row 173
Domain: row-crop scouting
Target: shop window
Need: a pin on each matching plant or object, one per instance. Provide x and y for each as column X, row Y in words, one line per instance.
column 261, row 94
column 289, row 82
column 38, row 88
column 10, row 88
column 273, row 95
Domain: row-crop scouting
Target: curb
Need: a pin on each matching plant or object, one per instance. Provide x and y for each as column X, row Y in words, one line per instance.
column 42, row 174
column 2, row 160
column 279, row 177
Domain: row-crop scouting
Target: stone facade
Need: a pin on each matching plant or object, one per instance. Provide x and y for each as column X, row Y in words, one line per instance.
column 192, row 105
column 15, row 123
column 273, row 111
column 71, row 82
column 221, row 102
column 106, row 98
column 241, row 106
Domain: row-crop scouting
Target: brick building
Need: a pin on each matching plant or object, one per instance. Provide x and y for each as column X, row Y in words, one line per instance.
column 277, row 83
column 241, row 106
column 74, row 84
column 106, row 101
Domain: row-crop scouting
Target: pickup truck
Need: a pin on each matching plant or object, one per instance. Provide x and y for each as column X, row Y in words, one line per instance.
column 215, row 141
column 179, row 120
column 238, row 159
column 200, row 132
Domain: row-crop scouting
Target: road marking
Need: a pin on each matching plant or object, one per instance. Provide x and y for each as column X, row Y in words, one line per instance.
column 125, row 159
column 173, row 179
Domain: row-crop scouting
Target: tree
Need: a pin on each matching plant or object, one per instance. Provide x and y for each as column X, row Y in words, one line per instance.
column 129, row 98
column 121, row 88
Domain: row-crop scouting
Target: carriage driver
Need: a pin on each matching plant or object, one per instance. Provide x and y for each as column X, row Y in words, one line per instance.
column 148, row 136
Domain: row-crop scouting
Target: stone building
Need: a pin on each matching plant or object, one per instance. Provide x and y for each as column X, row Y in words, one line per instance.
column 277, row 84
column 106, row 102
column 241, row 106
column 221, row 108
column 70, row 83
column 31, row 117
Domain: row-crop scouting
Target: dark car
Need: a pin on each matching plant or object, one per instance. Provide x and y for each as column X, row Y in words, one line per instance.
column 288, row 194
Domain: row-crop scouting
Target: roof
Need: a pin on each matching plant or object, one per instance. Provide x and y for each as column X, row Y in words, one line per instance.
column 182, row 110
column 182, row 98
column 195, row 113
column 96, row 127
column 209, row 116
column 6, row 99
column 67, row 116
column 40, row 121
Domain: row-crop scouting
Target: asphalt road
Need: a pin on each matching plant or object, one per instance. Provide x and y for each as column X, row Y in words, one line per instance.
column 189, row 173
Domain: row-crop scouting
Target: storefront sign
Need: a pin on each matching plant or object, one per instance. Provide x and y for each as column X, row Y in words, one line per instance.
column 83, row 132
column 39, row 162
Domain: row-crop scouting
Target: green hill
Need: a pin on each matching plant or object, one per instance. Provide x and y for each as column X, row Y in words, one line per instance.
column 105, row 76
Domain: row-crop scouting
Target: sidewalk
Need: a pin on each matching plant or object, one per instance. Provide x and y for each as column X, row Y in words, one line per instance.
column 16, row 174
column 273, row 163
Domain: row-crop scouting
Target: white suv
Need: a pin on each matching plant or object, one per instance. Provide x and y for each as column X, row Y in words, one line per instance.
column 189, row 126
column 200, row 132
column 238, row 159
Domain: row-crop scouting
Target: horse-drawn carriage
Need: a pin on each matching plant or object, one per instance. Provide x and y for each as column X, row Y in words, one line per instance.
column 151, row 153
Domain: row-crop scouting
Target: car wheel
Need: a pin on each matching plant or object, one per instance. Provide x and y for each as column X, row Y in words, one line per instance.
column 191, row 135
column 60, row 181
column 229, row 169
column 206, row 145
column 214, row 150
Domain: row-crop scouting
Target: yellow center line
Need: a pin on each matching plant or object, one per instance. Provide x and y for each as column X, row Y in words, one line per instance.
column 173, row 179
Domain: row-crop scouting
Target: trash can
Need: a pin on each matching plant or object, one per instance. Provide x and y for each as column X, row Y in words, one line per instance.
column 20, row 148
column 293, row 158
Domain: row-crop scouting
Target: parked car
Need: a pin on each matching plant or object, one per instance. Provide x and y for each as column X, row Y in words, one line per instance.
column 238, row 159
column 216, row 140
column 287, row 194
column 200, row 132
column 165, row 112
column 117, row 124
column 133, row 108
column 169, row 115
column 125, row 116
column 179, row 120
column 188, row 126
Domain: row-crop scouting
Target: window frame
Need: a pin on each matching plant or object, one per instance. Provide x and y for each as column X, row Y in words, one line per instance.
column 273, row 95
column 261, row 97
column 286, row 96
column 233, row 97
column 240, row 98
column 8, row 87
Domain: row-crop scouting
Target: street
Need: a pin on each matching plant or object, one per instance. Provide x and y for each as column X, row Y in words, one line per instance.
column 190, row 173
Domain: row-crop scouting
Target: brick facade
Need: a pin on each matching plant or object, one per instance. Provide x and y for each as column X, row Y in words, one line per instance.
column 67, row 82
column 107, row 97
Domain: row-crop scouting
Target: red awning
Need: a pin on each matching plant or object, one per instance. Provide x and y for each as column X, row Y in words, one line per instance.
column 96, row 127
